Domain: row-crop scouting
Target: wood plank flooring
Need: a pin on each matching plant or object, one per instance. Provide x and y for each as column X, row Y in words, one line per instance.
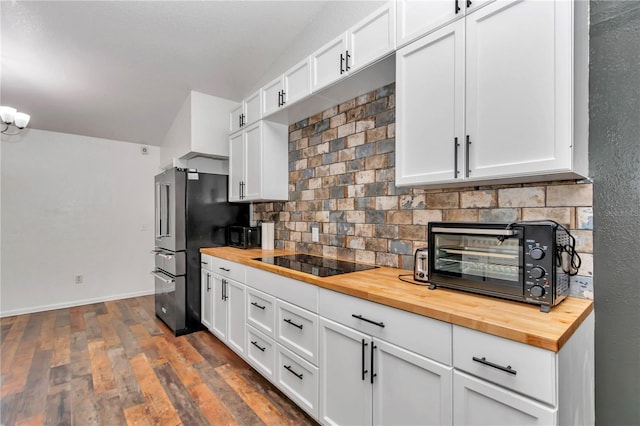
column 115, row 363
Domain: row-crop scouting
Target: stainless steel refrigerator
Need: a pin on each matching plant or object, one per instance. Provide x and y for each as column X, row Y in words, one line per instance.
column 191, row 211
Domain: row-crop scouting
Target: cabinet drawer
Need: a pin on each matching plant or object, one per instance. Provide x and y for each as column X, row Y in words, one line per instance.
column 297, row 329
column 261, row 311
column 293, row 291
column 525, row 369
column 228, row 269
column 477, row 402
column 261, row 352
column 206, row 261
column 297, row 379
column 426, row 336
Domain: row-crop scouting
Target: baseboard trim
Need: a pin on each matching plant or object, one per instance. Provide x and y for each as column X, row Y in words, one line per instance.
column 73, row 303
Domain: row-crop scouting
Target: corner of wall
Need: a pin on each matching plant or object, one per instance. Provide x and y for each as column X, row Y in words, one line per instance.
column 177, row 141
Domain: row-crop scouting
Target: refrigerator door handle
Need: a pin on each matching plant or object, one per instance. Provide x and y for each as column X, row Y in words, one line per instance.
column 163, row 191
column 162, row 253
column 163, row 277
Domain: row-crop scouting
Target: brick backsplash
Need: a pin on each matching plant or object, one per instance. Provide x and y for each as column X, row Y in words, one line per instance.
column 342, row 180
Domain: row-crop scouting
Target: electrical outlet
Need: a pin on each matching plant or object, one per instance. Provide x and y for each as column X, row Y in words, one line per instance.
column 315, row 234
column 78, row 279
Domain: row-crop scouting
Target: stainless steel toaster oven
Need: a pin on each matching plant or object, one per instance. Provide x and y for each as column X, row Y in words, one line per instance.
column 524, row 261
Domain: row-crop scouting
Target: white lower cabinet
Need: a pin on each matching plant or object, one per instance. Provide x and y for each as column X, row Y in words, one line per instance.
column 206, row 298
column 349, row 361
column 298, row 379
column 298, row 330
column 345, row 388
column 228, row 312
column 261, row 352
column 410, row 389
column 368, row 381
column 478, row 403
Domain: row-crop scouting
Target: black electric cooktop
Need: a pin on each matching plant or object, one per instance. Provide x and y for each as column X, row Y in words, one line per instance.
column 315, row 265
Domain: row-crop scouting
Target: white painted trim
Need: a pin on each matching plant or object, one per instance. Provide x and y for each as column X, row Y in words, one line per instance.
column 70, row 304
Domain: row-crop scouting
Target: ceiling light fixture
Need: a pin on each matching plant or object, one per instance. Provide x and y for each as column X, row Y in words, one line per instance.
column 11, row 117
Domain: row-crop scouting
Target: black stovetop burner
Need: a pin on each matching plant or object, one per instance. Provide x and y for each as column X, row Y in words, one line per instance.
column 315, row 265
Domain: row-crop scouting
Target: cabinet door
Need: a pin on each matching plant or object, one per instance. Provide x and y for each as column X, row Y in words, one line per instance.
column 518, row 87
column 236, row 165
column 326, row 63
column 478, row 403
column 220, row 310
column 371, row 38
column 234, row 293
column 430, row 104
column 297, row 82
column 235, row 118
column 345, row 388
column 271, row 98
column 206, row 298
column 253, row 172
column 419, row 17
column 409, row 389
column 253, row 108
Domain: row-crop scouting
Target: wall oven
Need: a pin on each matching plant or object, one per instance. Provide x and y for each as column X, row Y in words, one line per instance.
column 523, row 261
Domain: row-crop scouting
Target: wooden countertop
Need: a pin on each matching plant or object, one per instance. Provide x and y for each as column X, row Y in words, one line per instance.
column 512, row 320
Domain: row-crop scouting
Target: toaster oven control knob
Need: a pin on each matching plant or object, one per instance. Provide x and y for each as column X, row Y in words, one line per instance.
column 537, row 272
column 537, row 291
column 536, row 253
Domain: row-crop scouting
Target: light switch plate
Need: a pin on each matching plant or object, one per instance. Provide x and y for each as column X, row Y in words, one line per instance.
column 315, row 234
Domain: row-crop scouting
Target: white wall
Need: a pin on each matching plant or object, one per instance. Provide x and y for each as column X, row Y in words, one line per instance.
column 74, row 205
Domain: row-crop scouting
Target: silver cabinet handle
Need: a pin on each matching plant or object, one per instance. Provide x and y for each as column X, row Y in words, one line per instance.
column 162, row 277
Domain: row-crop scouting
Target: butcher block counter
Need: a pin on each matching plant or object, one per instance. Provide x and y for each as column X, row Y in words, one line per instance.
column 512, row 320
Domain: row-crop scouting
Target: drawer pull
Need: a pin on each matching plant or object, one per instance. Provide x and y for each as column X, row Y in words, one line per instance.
column 288, row 321
column 506, row 369
column 288, row 367
column 257, row 345
column 258, row 306
column 360, row 317
column 225, row 269
column 203, row 263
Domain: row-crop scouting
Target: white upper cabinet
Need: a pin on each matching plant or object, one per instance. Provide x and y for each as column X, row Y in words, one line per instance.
column 372, row 38
column 290, row 87
column 518, row 91
column 328, row 63
column 272, row 96
column 248, row 112
column 364, row 43
column 235, row 118
column 252, row 108
column 258, row 163
column 498, row 96
column 430, row 107
column 417, row 18
column 297, row 82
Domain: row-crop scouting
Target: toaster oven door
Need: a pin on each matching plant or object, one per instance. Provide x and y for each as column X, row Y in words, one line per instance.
column 481, row 259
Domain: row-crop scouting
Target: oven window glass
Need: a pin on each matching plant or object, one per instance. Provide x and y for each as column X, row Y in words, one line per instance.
column 478, row 257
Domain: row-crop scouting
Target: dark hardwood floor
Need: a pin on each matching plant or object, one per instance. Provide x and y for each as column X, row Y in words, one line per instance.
column 115, row 363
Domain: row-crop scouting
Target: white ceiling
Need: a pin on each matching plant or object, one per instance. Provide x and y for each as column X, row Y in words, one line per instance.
column 122, row 69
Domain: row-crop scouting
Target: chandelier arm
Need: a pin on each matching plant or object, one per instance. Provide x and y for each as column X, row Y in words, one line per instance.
column 5, row 132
